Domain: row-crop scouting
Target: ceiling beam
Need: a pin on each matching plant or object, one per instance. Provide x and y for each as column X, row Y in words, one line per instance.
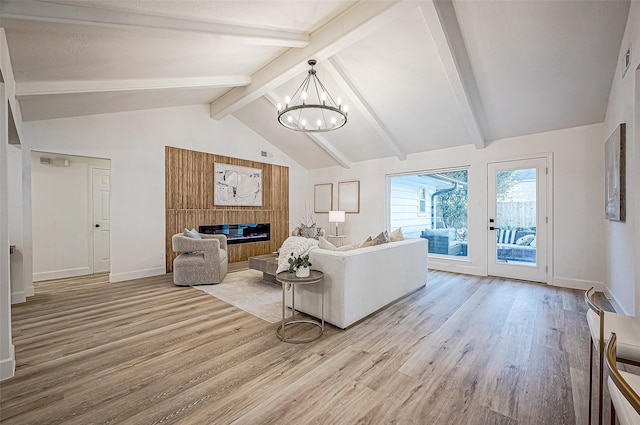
column 442, row 22
column 354, row 24
column 349, row 90
column 68, row 87
column 323, row 143
column 82, row 15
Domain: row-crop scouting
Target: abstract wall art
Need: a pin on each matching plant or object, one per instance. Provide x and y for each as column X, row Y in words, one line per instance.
column 237, row 185
column 615, row 170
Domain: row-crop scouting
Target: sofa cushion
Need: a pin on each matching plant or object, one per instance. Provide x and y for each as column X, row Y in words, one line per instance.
column 367, row 242
column 506, row 236
column 525, row 240
column 450, row 233
column 345, row 248
column 396, row 235
column 382, row 237
column 323, row 243
column 192, row 234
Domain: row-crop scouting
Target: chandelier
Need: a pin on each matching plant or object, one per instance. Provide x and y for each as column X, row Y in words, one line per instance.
column 311, row 108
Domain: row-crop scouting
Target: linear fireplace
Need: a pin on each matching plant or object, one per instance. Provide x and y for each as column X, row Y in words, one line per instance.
column 239, row 233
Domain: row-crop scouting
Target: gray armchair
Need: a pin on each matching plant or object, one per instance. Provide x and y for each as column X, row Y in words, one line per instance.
column 203, row 261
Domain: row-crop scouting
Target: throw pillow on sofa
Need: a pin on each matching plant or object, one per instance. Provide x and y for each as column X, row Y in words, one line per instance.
column 192, row 234
column 367, row 242
column 396, row 235
column 525, row 240
column 382, row 237
column 325, row 244
column 348, row 247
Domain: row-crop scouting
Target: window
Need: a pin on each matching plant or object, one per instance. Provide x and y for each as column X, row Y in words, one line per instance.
column 422, row 200
column 432, row 205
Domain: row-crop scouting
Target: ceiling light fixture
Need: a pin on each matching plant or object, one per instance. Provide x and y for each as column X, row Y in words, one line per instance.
column 311, row 108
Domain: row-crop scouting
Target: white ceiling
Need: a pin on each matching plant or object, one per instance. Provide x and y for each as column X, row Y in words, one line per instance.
column 418, row 75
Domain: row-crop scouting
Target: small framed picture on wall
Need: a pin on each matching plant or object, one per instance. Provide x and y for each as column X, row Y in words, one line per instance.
column 323, row 198
column 349, row 196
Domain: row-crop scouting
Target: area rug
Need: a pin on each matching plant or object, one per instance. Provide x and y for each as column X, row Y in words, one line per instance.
column 247, row 291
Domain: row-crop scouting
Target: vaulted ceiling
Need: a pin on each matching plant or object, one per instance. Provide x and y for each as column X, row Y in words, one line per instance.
column 418, row 75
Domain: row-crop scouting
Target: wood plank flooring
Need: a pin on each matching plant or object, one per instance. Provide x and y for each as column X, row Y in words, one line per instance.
column 463, row 350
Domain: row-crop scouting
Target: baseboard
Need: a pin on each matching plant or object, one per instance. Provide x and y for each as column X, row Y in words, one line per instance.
column 615, row 303
column 463, row 267
column 29, row 291
column 18, row 297
column 138, row 274
column 8, row 366
column 565, row 282
column 61, row 274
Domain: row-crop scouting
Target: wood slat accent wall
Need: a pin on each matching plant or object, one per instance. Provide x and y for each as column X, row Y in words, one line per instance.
column 189, row 201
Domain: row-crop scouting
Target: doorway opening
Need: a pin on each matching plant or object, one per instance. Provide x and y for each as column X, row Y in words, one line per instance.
column 70, row 215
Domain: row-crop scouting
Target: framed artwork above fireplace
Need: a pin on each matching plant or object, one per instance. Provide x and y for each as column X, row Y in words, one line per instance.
column 236, row 185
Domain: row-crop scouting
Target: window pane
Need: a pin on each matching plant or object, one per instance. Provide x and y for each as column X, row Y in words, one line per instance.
column 516, row 216
column 432, row 206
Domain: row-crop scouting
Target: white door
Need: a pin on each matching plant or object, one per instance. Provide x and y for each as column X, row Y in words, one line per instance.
column 518, row 219
column 101, row 229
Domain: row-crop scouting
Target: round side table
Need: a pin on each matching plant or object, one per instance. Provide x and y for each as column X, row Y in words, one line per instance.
column 286, row 278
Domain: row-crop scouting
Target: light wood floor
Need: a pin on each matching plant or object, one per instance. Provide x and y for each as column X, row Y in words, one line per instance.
column 464, row 350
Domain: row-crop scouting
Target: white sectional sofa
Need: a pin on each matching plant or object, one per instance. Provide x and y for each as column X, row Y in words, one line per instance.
column 361, row 281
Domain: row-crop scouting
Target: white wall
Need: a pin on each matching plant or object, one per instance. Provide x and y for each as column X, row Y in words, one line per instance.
column 14, row 180
column 622, row 240
column 62, row 222
column 578, row 187
column 7, row 96
column 135, row 143
column 7, row 353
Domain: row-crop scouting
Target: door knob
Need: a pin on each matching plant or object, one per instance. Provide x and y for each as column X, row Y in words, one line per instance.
column 97, row 225
column 492, row 228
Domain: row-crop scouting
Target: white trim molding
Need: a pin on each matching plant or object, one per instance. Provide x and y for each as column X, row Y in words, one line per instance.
column 138, row 274
column 566, row 282
column 615, row 303
column 8, row 365
column 61, row 274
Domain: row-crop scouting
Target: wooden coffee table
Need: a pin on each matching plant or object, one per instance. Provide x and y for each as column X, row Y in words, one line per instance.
column 267, row 264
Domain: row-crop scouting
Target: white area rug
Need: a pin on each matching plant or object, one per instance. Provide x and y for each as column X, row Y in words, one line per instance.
column 247, row 291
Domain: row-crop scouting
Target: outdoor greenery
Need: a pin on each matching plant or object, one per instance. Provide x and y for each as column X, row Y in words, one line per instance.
column 452, row 207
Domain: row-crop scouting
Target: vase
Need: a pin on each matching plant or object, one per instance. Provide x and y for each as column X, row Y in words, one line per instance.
column 303, row 272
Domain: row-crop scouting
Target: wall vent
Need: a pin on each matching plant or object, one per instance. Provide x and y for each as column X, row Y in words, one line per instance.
column 60, row 162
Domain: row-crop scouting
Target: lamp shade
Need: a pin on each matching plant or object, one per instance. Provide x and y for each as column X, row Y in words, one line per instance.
column 336, row 216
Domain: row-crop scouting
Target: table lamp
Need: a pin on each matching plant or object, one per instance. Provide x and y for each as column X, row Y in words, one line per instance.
column 336, row 217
